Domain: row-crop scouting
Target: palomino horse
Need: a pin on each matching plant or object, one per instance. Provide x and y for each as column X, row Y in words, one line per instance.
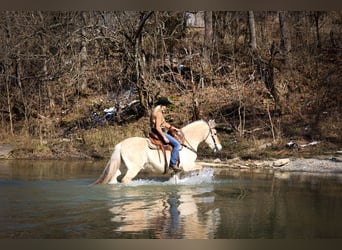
column 134, row 154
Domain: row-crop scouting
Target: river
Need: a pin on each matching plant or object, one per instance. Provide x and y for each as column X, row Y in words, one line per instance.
column 54, row 200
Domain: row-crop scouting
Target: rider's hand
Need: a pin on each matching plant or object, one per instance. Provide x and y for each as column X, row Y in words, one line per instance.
column 166, row 140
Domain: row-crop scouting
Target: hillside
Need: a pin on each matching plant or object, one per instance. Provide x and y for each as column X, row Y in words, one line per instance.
column 73, row 84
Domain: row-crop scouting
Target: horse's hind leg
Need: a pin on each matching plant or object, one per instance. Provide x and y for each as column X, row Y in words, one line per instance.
column 133, row 156
column 114, row 179
column 131, row 173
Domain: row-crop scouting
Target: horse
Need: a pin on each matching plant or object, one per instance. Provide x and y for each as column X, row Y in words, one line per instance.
column 134, row 154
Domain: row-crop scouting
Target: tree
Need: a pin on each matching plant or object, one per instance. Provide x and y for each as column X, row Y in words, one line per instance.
column 317, row 15
column 252, row 36
column 83, row 52
column 138, row 59
column 208, row 37
column 285, row 41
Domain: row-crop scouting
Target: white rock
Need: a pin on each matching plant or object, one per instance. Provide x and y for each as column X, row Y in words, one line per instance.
column 217, row 160
column 281, row 162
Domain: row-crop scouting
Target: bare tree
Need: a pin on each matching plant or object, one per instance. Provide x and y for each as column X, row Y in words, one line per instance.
column 252, row 36
column 139, row 62
column 7, row 37
column 285, row 41
column 83, row 52
column 48, row 58
column 208, row 36
column 317, row 15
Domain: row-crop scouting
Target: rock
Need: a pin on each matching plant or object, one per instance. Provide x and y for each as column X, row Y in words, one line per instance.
column 314, row 165
column 264, row 146
column 259, row 164
column 314, row 143
column 335, row 159
column 291, row 144
column 217, row 160
column 267, row 164
column 5, row 149
column 244, row 167
column 281, row 162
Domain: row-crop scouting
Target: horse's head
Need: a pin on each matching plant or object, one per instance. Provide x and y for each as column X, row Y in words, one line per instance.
column 212, row 139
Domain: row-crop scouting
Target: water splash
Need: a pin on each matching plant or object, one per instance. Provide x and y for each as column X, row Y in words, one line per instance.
column 206, row 175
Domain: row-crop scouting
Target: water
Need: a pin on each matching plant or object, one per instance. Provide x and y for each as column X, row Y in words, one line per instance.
column 46, row 199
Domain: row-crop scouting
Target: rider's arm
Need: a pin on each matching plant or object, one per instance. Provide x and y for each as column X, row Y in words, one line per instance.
column 169, row 126
column 159, row 120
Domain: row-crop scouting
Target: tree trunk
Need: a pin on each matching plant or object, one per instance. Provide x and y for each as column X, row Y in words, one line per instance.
column 142, row 90
column 9, row 104
column 20, row 84
column 285, row 42
column 7, row 36
column 251, row 22
column 208, row 32
column 45, row 67
column 83, row 53
column 317, row 16
column 208, row 40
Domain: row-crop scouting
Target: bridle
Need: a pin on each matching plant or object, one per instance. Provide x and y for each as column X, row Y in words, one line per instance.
column 191, row 148
column 212, row 137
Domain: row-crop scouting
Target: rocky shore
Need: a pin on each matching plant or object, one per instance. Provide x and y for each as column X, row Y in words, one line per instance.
column 5, row 150
column 322, row 164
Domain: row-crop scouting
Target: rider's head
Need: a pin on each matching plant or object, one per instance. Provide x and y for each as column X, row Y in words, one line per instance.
column 163, row 101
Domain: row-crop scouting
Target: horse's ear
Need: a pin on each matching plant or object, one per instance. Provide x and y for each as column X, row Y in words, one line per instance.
column 212, row 123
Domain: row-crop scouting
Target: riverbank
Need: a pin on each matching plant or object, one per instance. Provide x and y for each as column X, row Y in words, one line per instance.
column 5, row 150
column 327, row 163
column 320, row 164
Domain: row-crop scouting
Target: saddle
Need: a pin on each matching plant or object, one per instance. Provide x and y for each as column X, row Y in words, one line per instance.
column 159, row 144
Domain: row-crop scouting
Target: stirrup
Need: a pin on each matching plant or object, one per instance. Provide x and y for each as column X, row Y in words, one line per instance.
column 176, row 169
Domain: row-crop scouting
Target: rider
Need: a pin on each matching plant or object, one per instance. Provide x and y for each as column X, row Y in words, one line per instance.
column 159, row 126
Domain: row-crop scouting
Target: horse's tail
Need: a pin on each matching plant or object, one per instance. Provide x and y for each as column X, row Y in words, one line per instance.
column 112, row 166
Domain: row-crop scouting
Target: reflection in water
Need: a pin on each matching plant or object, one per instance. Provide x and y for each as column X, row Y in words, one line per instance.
column 48, row 170
column 174, row 214
column 54, row 200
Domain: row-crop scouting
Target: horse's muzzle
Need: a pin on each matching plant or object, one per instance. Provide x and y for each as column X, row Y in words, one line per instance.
column 218, row 147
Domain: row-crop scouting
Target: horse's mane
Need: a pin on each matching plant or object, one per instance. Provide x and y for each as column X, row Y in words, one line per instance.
column 192, row 125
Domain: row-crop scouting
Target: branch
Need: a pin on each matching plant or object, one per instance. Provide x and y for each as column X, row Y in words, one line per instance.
column 141, row 25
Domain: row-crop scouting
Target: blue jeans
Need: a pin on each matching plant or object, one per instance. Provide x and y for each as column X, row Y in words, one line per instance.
column 175, row 151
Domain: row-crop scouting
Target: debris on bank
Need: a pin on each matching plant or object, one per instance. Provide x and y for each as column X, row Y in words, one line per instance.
column 293, row 144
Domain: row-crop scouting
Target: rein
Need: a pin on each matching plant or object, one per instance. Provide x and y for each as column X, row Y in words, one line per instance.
column 191, row 148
